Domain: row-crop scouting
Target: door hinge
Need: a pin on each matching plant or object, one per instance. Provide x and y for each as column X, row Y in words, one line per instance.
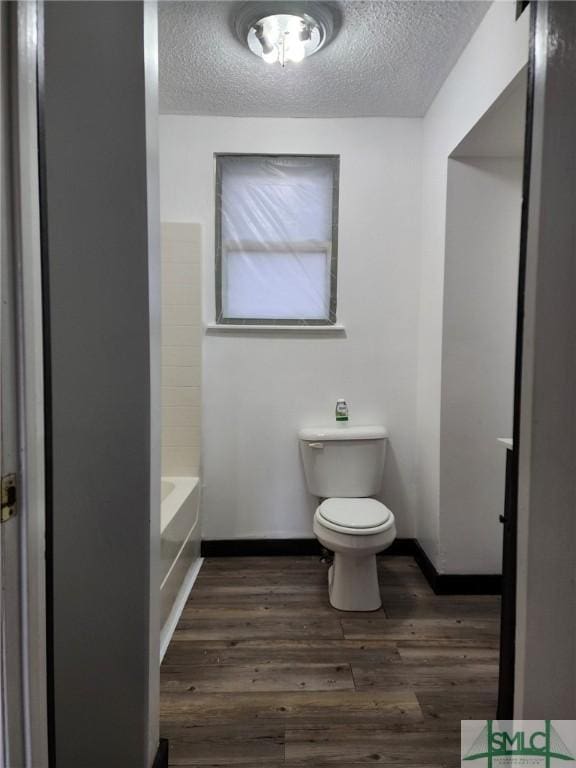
column 9, row 498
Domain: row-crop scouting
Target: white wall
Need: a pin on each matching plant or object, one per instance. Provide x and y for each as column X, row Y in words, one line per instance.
column 495, row 55
column 480, row 297
column 257, row 390
column 181, row 349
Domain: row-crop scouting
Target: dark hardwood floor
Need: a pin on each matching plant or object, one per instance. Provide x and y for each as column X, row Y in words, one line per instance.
column 263, row 672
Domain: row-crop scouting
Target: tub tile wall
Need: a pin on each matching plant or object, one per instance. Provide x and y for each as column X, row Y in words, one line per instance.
column 181, row 339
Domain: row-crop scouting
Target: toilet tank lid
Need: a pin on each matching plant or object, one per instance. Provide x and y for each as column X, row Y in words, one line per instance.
column 343, row 432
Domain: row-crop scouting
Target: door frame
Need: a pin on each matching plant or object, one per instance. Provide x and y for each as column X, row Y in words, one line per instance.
column 545, row 418
column 24, row 255
column 508, row 625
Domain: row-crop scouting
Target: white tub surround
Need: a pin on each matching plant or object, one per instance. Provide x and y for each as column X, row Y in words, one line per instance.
column 181, row 354
column 181, row 357
column 180, row 549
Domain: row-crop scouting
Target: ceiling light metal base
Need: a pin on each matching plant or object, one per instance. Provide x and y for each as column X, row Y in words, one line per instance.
column 326, row 15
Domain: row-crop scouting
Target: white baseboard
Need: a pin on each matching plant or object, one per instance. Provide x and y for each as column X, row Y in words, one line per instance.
column 181, row 598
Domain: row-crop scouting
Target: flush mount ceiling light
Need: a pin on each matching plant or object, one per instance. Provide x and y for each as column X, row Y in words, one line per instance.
column 285, row 32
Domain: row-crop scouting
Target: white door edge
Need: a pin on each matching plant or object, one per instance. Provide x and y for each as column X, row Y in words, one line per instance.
column 26, row 255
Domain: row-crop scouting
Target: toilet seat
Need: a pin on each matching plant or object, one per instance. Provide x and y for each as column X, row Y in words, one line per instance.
column 356, row 517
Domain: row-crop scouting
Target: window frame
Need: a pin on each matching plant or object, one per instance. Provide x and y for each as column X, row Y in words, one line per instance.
column 333, row 300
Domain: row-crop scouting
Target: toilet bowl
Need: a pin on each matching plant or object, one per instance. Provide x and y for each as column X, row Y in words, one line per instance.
column 355, row 530
column 344, row 465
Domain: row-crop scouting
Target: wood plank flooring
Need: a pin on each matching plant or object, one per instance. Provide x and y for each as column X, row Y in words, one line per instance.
column 262, row 671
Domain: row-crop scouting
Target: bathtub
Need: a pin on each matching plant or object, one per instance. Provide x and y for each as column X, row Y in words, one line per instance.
column 180, row 550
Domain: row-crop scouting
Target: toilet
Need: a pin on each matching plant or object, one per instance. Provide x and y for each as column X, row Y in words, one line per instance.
column 343, row 466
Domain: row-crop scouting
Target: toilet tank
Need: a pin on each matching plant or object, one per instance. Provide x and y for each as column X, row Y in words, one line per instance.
column 343, row 461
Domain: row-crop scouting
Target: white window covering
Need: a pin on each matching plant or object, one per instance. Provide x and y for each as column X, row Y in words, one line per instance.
column 276, row 239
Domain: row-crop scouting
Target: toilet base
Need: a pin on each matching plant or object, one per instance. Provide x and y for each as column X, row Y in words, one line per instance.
column 353, row 583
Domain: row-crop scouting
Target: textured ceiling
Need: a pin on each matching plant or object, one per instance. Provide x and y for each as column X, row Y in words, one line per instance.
column 389, row 59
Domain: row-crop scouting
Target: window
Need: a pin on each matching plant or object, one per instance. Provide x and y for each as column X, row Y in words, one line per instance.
column 276, row 239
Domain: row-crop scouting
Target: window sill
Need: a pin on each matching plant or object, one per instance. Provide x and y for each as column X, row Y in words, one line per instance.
column 324, row 330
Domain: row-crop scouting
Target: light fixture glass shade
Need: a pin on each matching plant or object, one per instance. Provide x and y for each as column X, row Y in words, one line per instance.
column 285, row 38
